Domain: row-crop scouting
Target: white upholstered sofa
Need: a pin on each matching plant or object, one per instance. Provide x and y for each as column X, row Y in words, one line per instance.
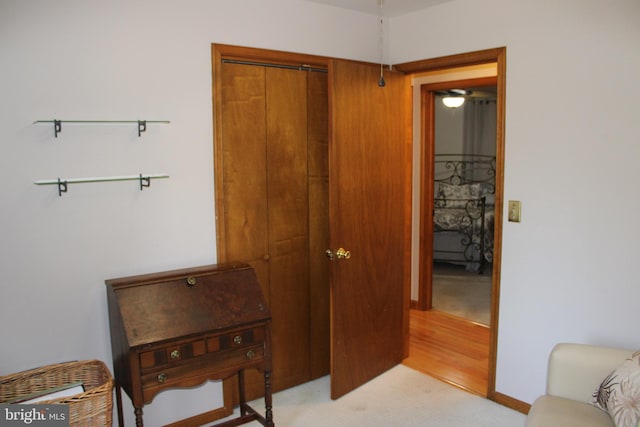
column 575, row 372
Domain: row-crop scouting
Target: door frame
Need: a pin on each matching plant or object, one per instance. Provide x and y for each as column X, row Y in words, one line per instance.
column 498, row 56
column 246, row 54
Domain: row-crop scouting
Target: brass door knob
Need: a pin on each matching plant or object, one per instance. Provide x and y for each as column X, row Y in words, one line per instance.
column 340, row 253
column 251, row 354
column 175, row 354
column 162, row 377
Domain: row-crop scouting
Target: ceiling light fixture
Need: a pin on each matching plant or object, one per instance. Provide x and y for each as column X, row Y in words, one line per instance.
column 453, row 101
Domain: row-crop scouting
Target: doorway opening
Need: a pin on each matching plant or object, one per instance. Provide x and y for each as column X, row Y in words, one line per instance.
column 430, row 78
column 460, row 175
column 463, row 213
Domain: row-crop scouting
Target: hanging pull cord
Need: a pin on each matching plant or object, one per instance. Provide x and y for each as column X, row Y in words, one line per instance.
column 381, row 81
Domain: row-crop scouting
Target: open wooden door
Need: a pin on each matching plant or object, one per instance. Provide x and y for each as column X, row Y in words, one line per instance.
column 369, row 211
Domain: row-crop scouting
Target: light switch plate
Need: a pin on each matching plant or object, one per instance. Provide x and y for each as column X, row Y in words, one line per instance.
column 514, row 210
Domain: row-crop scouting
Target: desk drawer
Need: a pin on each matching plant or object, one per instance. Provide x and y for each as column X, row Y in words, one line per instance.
column 176, row 353
column 172, row 354
column 194, row 371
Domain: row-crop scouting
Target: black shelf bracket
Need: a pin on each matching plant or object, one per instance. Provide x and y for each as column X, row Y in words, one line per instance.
column 62, row 187
column 145, row 181
column 57, row 127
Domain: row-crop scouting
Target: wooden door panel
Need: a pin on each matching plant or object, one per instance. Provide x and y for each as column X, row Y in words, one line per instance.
column 317, row 138
column 368, row 167
column 272, row 206
column 244, row 183
column 288, row 224
column 244, row 196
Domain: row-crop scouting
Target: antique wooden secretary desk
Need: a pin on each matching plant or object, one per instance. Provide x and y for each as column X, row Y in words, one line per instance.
column 180, row 328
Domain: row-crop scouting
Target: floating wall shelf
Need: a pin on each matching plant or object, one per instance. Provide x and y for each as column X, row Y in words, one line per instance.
column 145, row 180
column 142, row 124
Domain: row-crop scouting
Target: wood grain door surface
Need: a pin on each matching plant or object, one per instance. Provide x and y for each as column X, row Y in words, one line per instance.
column 368, row 166
column 265, row 212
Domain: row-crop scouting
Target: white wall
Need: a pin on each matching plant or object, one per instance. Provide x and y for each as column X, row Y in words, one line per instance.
column 121, row 59
column 448, row 133
column 569, row 270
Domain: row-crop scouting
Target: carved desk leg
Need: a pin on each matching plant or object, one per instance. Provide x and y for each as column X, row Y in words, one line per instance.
column 241, row 393
column 119, row 404
column 138, row 412
column 267, row 399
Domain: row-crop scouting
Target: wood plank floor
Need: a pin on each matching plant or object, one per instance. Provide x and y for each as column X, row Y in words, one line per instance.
column 449, row 348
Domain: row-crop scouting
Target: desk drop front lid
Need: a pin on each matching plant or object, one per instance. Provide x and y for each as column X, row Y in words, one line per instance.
column 164, row 306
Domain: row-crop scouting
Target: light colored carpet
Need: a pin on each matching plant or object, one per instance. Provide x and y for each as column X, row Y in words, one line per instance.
column 461, row 293
column 400, row 397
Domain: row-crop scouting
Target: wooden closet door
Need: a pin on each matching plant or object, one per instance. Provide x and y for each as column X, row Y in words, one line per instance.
column 288, row 213
column 273, row 212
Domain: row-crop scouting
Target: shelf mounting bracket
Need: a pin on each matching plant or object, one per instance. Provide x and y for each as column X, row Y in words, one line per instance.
column 145, row 181
column 57, row 127
column 62, row 187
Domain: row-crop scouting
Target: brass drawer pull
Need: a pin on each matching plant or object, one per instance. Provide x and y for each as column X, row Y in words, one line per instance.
column 237, row 339
column 175, row 354
column 250, row 354
column 162, row 377
column 191, row 281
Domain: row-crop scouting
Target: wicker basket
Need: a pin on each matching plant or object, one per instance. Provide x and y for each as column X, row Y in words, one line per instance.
column 93, row 407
